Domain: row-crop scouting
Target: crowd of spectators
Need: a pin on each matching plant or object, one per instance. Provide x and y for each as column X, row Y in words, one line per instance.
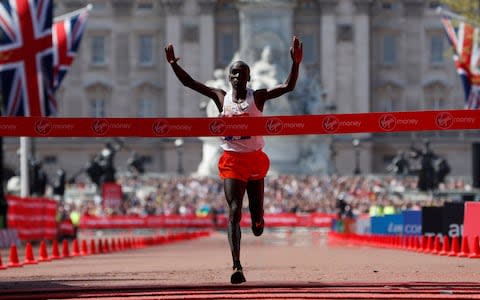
column 158, row 195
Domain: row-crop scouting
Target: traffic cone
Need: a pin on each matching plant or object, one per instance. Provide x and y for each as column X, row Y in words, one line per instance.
column 428, row 247
column 13, row 259
column 55, row 252
column 106, row 246
column 75, row 248
column 43, row 255
column 436, row 245
column 65, row 249
column 454, row 249
column 475, row 253
column 465, row 249
column 84, row 250
column 422, row 243
column 2, row 267
column 114, row 245
column 445, row 245
column 93, row 249
column 29, row 258
column 100, row 246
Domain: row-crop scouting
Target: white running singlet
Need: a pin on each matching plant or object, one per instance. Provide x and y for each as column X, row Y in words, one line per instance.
column 246, row 108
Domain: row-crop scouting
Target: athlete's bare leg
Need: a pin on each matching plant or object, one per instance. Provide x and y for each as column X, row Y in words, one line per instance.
column 234, row 193
column 255, row 191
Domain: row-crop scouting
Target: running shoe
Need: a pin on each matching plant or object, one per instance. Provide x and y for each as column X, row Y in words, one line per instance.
column 257, row 227
column 237, row 276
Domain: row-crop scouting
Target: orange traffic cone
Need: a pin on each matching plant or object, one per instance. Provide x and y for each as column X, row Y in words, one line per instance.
column 2, row 267
column 465, row 249
column 114, row 245
column 436, row 245
column 84, row 250
column 93, row 249
column 106, row 246
column 13, row 259
column 100, row 246
column 29, row 258
column 65, row 249
column 475, row 253
column 43, row 255
column 75, row 248
column 428, row 247
column 55, row 252
column 445, row 246
column 454, row 249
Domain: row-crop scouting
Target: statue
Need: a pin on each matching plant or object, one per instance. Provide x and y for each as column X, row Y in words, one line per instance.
column 400, row 164
column 264, row 73
column 433, row 168
column 309, row 95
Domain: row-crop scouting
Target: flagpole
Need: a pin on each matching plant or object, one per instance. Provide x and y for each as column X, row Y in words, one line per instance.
column 24, row 170
column 451, row 14
column 3, row 200
column 72, row 13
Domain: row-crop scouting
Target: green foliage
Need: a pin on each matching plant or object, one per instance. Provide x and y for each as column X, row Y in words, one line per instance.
column 469, row 9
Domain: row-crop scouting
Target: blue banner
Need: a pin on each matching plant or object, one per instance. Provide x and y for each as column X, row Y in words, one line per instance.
column 388, row 224
column 412, row 222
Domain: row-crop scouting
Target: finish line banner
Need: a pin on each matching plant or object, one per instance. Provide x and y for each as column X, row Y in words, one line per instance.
column 266, row 125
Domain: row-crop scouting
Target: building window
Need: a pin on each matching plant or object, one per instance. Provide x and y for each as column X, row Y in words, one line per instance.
column 309, row 49
column 190, row 33
column 97, row 108
column 98, row 50
column 389, row 50
column 99, row 6
column 385, row 105
column 226, row 48
column 146, row 108
column 345, row 32
column 145, row 6
column 145, row 53
column 436, row 49
column 435, row 96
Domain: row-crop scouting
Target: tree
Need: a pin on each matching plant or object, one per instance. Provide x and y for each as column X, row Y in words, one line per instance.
column 469, row 9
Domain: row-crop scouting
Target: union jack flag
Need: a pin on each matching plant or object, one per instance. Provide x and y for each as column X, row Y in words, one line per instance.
column 67, row 34
column 465, row 40
column 26, row 57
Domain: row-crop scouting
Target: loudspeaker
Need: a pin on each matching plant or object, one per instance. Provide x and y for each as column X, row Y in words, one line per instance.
column 476, row 165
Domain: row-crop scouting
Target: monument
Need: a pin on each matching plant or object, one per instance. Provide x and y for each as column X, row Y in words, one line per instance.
column 265, row 36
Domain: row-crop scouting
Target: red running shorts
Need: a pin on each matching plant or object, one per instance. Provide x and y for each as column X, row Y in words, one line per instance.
column 243, row 165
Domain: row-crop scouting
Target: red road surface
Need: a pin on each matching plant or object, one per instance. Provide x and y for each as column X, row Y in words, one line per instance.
column 278, row 265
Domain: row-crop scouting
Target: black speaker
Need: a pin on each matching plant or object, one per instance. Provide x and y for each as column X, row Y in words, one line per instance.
column 476, row 165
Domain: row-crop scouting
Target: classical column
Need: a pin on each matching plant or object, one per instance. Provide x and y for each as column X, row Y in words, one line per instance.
column 361, row 48
column 413, row 10
column 207, row 39
column 328, row 44
column 172, row 10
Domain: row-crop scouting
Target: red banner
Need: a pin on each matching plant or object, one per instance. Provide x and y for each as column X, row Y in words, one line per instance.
column 33, row 218
column 267, row 125
column 111, row 195
column 471, row 225
column 178, row 221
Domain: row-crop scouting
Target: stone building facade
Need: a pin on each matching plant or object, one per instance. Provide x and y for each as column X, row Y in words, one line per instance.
column 370, row 55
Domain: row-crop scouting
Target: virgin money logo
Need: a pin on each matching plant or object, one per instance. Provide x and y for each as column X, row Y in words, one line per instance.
column 43, row 127
column 217, row 127
column 330, row 124
column 100, row 126
column 387, row 122
column 444, row 120
column 160, row 127
column 274, row 126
